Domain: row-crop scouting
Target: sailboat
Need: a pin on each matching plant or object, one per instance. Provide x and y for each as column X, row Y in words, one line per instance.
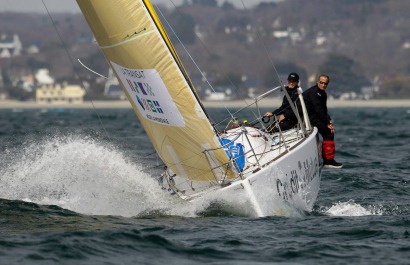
column 243, row 166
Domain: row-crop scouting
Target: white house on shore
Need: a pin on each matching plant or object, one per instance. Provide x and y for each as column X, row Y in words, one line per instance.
column 112, row 88
column 10, row 47
column 60, row 94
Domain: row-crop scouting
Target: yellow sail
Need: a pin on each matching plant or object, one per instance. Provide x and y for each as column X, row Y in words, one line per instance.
column 136, row 45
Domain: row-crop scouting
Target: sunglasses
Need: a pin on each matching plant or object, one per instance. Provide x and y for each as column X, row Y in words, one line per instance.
column 323, row 83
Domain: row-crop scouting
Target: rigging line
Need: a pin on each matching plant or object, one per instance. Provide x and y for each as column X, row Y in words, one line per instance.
column 209, row 52
column 277, row 75
column 254, row 101
column 187, row 52
column 188, row 158
column 72, row 62
column 266, row 50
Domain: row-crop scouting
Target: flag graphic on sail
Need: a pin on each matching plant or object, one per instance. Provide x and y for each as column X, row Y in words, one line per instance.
column 138, row 49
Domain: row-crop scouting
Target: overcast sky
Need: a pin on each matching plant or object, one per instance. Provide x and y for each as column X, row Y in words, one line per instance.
column 71, row 5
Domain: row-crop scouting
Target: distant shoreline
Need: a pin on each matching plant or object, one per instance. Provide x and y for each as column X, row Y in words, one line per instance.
column 266, row 103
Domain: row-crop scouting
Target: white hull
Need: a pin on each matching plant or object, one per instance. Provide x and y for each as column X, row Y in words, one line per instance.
column 289, row 183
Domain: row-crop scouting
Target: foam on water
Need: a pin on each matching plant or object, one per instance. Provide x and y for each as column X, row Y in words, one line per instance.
column 86, row 176
column 350, row 208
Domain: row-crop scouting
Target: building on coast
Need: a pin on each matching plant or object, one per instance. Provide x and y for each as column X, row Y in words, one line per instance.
column 10, row 46
column 60, row 94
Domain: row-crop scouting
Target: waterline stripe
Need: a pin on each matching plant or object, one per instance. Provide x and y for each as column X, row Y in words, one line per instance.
column 126, row 41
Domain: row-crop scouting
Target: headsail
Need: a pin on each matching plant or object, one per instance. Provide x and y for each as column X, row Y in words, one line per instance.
column 136, row 45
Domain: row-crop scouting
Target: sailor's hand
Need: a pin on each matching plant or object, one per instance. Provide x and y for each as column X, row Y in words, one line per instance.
column 268, row 114
column 281, row 117
column 331, row 127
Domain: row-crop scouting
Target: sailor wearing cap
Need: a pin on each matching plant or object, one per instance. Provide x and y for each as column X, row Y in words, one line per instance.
column 293, row 90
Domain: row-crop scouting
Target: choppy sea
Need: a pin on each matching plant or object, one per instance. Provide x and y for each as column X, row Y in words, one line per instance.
column 78, row 187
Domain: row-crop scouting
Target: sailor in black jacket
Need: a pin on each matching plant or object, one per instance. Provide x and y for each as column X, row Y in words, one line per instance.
column 293, row 90
column 316, row 104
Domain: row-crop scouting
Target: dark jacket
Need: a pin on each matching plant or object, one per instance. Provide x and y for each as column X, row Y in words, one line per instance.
column 316, row 105
column 285, row 107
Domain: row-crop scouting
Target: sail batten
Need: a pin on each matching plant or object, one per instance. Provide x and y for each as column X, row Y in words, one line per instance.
column 157, row 86
column 128, row 40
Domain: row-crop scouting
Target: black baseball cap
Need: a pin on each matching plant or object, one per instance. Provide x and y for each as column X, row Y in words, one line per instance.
column 293, row 77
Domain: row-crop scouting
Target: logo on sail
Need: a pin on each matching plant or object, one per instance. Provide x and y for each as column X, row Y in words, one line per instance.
column 150, row 95
column 146, row 104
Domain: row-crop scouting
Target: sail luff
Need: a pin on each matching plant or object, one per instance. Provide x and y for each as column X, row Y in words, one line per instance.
column 166, row 38
column 135, row 43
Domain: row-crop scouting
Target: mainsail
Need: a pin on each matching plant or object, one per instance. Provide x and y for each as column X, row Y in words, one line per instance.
column 138, row 49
